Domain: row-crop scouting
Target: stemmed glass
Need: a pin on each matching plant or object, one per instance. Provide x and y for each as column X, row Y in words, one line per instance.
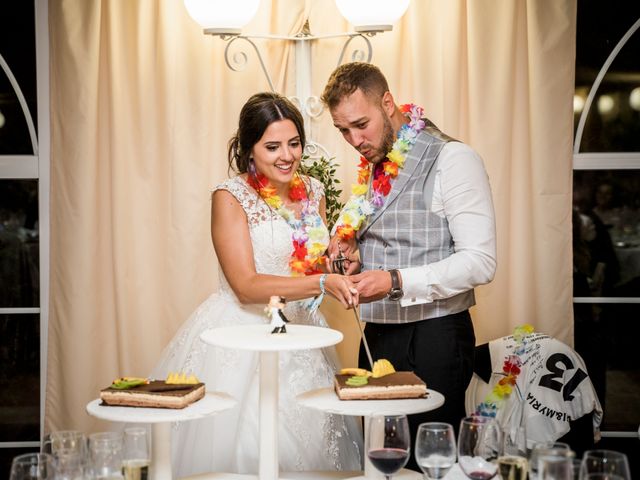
column 512, row 463
column 604, row 464
column 546, row 449
column 105, row 450
column 135, row 464
column 33, row 466
column 435, row 449
column 479, row 447
column 69, row 448
column 388, row 443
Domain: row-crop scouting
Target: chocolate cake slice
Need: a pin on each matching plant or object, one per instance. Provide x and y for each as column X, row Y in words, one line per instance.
column 392, row 386
column 155, row 394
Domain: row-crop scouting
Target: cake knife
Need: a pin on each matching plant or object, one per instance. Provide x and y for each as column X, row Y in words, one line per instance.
column 338, row 265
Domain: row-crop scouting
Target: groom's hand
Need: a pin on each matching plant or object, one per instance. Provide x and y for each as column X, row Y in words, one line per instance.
column 372, row 285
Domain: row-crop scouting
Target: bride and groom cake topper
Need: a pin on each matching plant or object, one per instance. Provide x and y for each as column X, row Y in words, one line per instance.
column 274, row 311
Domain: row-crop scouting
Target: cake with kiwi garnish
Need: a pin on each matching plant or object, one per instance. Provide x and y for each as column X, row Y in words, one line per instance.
column 177, row 391
column 383, row 383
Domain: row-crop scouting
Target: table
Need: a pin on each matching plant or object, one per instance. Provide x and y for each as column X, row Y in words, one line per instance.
column 325, row 399
column 258, row 338
column 161, row 419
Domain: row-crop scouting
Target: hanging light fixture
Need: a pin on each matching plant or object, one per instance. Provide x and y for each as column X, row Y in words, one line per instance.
column 222, row 17
column 226, row 19
column 372, row 15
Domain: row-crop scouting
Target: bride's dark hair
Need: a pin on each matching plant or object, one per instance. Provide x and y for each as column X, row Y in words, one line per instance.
column 260, row 111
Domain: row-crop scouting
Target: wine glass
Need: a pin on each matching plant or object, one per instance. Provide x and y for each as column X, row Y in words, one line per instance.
column 388, row 443
column 479, row 443
column 135, row 463
column 604, row 464
column 552, row 466
column 70, row 451
column 33, row 466
column 435, row 449
column 106, row 454
column 512, row 463
column 549, row 449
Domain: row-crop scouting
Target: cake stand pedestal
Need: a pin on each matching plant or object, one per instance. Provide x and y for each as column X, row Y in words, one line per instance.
column 161, row 419
column 327, row 400
column 258, row 338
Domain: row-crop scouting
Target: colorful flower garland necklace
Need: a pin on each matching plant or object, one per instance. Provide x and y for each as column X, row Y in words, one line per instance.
column 359, row 207
column 308, row 231
column 510, row 371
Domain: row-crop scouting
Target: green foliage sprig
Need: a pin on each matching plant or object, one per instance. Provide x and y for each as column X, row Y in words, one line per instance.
column 324, row 170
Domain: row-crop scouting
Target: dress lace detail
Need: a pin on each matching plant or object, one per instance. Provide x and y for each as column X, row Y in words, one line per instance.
column 228, row 441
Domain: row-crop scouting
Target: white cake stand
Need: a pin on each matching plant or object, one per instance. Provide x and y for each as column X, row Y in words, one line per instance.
column 258, row 338
column 325, row 399
column 161, row 419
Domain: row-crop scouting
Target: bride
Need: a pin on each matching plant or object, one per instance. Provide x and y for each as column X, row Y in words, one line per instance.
column 269, row 234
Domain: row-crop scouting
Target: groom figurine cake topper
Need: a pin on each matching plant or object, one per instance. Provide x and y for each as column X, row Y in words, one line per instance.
column 274, row 311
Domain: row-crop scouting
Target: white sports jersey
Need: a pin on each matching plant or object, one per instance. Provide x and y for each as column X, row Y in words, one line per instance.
column 552, row 389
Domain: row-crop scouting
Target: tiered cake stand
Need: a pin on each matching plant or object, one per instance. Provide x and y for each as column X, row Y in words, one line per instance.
column 161, row 419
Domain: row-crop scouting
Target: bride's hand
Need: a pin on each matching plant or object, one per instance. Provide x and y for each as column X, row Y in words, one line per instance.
column 342, row 289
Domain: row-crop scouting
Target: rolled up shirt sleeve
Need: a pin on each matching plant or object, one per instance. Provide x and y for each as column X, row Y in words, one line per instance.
column 463, row 195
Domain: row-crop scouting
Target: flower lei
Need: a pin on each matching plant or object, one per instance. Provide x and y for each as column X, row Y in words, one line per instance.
column 308, row 231
column 359, row 207
column 510, row 371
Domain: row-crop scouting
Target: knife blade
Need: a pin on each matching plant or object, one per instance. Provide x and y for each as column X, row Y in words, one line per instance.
column 338, row 265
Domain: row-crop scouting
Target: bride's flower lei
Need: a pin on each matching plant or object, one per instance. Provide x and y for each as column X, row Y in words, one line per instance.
column 359, row 207
column 510, row 371
column 308, row 232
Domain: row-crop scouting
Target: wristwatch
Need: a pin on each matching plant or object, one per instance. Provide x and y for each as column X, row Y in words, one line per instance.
column 396, row 292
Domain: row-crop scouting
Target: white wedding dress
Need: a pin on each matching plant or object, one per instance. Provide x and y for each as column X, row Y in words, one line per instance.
column 228, row 442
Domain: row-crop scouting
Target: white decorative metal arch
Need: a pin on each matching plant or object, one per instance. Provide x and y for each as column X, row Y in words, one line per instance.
column 23, row 103
column 596, row 84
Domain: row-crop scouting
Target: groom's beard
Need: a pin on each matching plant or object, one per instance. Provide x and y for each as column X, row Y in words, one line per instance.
column 378, row 155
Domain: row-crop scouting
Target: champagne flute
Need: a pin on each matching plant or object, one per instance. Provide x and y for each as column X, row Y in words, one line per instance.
column 604, row 464
column 388, row 443
column 135, row 463
column 512, row 463
column 478, row 447
column 435, row 449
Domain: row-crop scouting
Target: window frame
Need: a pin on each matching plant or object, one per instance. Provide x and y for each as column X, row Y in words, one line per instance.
column 37, row 167
column 605, row 161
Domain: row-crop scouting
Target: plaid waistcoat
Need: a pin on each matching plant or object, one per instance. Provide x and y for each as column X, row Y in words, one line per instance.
column 405, row 233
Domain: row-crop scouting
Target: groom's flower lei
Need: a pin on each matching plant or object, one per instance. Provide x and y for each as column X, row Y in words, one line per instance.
column 359, row 207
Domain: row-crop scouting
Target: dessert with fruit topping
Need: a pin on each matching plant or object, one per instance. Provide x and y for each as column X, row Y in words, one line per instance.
column 383, row 383
column 177, row 391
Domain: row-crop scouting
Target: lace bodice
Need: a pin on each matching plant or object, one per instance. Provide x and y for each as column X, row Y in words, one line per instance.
column 270, row 233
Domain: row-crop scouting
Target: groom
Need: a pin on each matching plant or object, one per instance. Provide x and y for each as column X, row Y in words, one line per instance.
column 423, row 223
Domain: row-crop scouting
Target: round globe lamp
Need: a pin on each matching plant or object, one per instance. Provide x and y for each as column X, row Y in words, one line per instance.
column 220, row 17
column 372, row 15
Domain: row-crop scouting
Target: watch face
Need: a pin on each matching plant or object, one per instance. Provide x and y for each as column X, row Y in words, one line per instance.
column 396, row 294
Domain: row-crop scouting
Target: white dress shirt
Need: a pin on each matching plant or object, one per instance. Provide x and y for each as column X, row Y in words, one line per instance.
column 461, row 194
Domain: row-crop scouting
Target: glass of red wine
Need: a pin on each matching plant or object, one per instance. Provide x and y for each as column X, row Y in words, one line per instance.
column 388, row 443
column 479, row 442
